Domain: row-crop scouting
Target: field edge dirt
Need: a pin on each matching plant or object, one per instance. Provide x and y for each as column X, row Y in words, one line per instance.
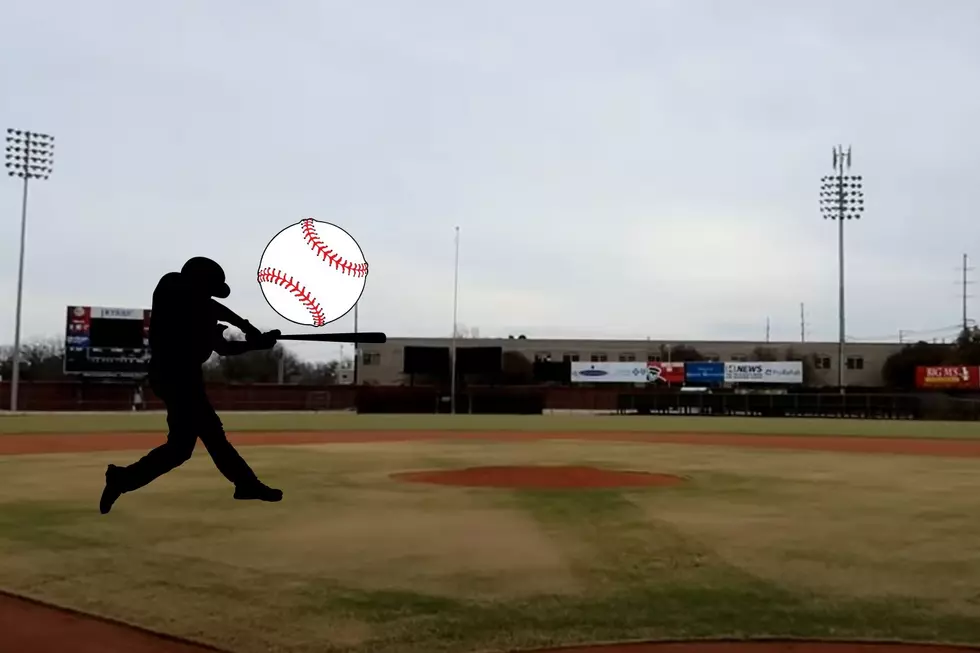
column 30, row 624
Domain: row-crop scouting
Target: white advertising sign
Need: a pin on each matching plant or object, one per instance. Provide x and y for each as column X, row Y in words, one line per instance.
column 609, row 372
column 764, row 372
column 117, row 313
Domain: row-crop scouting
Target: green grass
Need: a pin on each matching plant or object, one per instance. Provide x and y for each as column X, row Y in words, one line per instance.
column 755, row 544
column 308, row 421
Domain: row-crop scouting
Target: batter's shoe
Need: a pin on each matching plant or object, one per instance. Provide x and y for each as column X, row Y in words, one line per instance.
column 112, row 490
column 257, row 491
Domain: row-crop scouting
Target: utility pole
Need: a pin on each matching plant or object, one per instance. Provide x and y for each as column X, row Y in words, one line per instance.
column 452, row 365
column 841, row 198
column 357, row 349
column 281, row 365
column 965, row 283
column 802, row 324
column 767, row 329
column 30, row 155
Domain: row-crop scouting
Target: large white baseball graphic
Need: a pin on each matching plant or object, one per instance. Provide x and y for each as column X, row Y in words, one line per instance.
column 312, row 272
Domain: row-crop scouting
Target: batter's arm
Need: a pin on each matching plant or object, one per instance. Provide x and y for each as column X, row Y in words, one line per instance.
column 224, row 314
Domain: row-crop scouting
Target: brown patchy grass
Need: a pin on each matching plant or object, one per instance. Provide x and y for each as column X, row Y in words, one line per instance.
column 463, row 550
column 883, row 526
column 756, row 543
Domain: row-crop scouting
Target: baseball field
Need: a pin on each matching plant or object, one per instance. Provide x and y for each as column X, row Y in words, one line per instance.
column 465, row 534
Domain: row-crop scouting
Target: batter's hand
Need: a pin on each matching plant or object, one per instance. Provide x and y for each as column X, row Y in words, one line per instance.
column 250, row 331
column 265, row 340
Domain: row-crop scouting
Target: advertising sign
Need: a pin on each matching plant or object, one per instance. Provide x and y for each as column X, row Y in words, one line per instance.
column 671, row 373
column 764, row 372
column 704, row 372
column 609, row 372
column 948, row 377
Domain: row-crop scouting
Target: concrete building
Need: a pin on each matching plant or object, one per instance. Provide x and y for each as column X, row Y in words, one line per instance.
column 382, row 364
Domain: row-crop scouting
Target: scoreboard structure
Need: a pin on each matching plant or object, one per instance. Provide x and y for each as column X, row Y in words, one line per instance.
column 107, row 342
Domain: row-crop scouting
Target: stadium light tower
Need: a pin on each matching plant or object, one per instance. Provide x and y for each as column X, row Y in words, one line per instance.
column 30, row 155
column 841, row 198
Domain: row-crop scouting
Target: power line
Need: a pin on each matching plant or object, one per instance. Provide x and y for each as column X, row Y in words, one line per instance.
column 951, row 330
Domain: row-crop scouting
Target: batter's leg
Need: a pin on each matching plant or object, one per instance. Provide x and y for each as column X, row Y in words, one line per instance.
column 229, row 462
column 178, row 449
column 226, row 458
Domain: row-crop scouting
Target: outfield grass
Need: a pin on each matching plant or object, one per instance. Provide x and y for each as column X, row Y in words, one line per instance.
column 756, row 543
column 343, row 421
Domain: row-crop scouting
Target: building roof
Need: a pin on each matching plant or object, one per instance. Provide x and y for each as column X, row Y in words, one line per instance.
column 580, row 342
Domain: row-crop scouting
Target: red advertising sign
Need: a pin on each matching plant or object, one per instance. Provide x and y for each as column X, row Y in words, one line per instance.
column 672, row 373
column 946, row 376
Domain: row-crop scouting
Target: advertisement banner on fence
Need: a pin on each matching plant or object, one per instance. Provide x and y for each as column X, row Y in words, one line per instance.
column 948, row 377
column 764, row 372
column 704, row 372
column 671, row 373
column 609, row 372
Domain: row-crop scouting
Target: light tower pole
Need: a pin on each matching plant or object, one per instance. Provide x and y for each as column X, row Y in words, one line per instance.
column 841, row 198
column 452, row 346
column 29, row 155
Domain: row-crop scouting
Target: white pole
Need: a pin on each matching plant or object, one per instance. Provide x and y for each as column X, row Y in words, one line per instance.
column 30, row 155
column 15, row 376
column 357, row 351
column 452, row 349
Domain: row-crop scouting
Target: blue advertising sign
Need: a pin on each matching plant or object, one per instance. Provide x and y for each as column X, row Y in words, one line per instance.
column 704, row 372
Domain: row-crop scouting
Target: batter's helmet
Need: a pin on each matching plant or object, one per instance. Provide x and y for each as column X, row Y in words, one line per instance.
column 207, row 273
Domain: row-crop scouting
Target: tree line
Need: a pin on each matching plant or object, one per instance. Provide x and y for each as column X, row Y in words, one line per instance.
column 899, row 368
column 44, row 360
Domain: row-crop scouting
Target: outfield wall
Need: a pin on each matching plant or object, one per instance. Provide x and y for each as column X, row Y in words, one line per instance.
column 76, row 396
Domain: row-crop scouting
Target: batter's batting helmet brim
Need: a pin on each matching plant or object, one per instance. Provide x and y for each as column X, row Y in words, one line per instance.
column 222, row 291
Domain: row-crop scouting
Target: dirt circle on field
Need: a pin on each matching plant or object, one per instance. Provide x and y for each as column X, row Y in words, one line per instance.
column 762, row 646
column 544, row 477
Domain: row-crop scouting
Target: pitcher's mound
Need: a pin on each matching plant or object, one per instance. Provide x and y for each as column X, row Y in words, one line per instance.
column 540, row 477
column 764, row 646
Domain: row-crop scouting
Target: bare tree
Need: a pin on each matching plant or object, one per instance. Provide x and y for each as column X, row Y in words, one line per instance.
column 40, row 360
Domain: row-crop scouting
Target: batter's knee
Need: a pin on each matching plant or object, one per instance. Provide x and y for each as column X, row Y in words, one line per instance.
column 180, row 451
column 186, row 452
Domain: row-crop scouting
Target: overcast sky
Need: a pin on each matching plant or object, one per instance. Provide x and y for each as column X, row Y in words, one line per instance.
column 617, row 168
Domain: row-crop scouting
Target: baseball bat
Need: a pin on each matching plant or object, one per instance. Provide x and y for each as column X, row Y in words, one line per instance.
column 373, row 337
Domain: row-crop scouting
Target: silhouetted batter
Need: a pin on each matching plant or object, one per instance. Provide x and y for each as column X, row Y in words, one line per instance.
column 184, row 331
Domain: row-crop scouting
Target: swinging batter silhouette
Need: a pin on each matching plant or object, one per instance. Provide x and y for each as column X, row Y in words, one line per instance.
column 184, row 331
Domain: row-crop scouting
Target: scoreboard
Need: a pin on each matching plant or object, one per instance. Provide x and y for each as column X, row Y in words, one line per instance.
column 103, row 341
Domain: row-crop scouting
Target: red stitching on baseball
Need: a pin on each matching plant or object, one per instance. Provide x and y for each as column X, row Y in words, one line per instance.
column 325, row 253
column 279, row 278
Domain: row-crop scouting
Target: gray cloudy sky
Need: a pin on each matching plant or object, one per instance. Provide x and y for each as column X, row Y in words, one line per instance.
column 618, row 169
